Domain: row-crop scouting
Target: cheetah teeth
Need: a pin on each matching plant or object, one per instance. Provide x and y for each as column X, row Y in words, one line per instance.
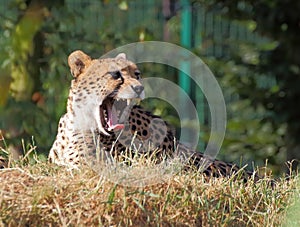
column 129, row 101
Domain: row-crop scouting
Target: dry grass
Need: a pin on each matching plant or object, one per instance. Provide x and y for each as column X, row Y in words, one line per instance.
column 47, row 195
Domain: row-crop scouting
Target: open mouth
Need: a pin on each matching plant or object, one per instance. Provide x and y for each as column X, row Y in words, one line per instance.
column 113, row 113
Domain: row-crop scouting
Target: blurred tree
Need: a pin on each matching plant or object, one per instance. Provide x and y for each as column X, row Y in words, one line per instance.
column 22, row 48
column 39, row 35
column 37, row 38
column 21, row 74
column 280, row 21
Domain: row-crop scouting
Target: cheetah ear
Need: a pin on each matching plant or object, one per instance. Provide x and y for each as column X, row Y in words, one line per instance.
column 121, row 56
column 78, row 62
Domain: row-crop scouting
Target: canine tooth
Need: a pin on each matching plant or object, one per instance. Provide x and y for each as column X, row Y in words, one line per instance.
column 128, row 102
column 138, row 101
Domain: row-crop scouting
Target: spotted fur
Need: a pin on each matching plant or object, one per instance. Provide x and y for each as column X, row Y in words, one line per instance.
column 80, row 133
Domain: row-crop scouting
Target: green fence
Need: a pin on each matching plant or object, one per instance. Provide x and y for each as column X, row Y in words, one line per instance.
column 134, row 20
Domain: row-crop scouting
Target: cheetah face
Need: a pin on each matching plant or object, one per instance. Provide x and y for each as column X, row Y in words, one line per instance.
column 98, row 84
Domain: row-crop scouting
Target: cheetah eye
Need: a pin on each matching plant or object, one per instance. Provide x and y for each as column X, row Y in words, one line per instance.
column 116, row 74
column 137, row 73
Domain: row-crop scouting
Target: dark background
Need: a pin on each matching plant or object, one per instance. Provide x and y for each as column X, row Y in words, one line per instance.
column 252, row 49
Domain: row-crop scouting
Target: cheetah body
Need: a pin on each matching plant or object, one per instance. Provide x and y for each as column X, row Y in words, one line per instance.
column 91, row 123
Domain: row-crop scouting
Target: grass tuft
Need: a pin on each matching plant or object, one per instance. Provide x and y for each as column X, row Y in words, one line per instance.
column 36, row 193
column 43, row 194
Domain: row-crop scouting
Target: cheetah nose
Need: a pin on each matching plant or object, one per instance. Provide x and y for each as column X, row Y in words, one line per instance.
column 138, row 89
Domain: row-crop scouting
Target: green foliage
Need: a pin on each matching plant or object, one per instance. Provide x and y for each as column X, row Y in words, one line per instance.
column 34, row 59
column 279, row 61
column 250, row 132
column 259, row 79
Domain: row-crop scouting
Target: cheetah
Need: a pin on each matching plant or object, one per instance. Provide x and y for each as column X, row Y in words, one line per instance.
column 100, row 90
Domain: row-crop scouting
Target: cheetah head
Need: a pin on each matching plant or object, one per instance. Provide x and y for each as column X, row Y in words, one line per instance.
column 97, row 85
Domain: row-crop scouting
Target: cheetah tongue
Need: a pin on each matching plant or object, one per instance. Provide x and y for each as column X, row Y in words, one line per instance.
column 112, row 120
